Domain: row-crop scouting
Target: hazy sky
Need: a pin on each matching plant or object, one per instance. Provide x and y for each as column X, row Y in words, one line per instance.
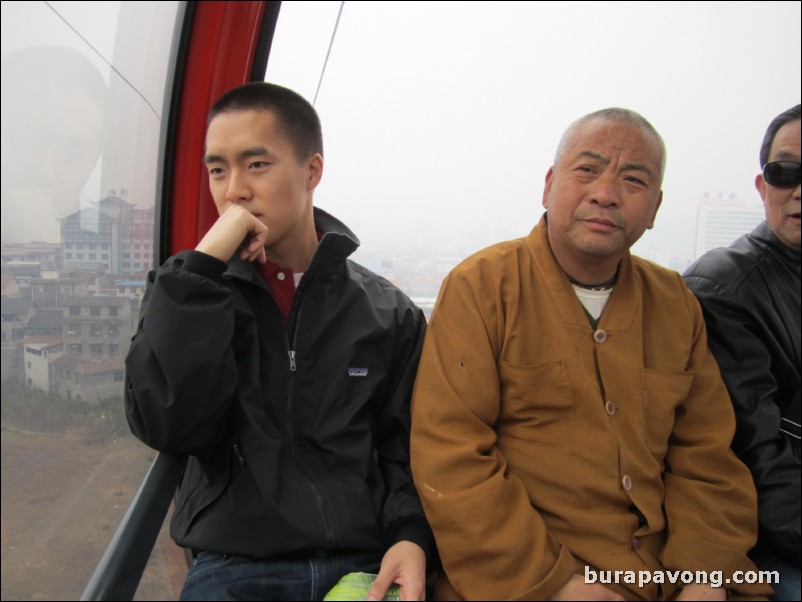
column 440, row 119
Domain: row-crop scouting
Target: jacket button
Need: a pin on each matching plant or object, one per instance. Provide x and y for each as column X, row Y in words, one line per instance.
column 600, row 336
column 610, row 407
column 626, row 482
column 281, row 275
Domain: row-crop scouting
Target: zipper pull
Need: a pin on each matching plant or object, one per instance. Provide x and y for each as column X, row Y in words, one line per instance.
column 292, row 360
column 239, row 455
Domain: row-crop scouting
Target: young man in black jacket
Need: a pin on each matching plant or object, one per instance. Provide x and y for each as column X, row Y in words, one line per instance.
column 750, row 294
column 285, row 371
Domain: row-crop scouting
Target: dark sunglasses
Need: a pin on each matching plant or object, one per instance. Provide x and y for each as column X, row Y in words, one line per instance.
column 783, row 174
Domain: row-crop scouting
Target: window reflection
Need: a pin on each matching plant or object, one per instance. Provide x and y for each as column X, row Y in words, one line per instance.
column 53, row 106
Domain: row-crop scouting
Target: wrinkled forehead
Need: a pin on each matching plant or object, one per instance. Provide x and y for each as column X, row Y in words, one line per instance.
column 612, row 138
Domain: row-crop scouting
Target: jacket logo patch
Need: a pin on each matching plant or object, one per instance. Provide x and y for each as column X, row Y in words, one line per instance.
column 358, row 372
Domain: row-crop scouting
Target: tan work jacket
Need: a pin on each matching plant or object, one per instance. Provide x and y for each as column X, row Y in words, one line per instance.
column 536, row 439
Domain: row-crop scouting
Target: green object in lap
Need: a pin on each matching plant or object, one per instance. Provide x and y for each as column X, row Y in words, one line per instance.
column 355, row 586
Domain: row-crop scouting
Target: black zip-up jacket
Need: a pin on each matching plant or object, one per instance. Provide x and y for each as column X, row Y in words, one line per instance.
column 297, row 431
column 750, row 295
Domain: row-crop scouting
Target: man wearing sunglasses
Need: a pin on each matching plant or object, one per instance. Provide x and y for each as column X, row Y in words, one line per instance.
column 750, row 294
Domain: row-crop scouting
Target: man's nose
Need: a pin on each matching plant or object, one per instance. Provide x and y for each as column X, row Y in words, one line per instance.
column 604, row 191
column 238, row 187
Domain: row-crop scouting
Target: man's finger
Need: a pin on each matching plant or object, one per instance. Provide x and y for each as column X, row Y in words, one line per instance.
column 380, row 585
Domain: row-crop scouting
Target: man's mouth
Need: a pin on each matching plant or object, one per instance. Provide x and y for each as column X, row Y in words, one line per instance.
column 600, row 224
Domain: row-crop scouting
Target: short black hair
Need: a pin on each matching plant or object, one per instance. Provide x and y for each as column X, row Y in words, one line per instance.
column 791, row 114
column 297, row 119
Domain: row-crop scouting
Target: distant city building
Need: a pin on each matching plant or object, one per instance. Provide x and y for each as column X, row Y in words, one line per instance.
column 113, row 237
column 142, row 232
column 43, row 255
column 45, row 322
column 16, row 313
column 130, row 288
column 84, row 380
column 40, row 351
column 97, row 335
column 97, row 327
column 52, row 292
column 720, row 221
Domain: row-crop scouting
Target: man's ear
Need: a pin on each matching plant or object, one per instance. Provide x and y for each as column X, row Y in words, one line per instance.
column 547, row 188
column 760, row 185
column 314, row 171
column 654, row 215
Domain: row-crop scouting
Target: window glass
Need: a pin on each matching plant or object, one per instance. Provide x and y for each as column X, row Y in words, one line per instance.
column 440, row 119
column 83, row 85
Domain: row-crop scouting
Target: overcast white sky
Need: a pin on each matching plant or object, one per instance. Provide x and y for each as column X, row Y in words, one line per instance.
column 440, row 119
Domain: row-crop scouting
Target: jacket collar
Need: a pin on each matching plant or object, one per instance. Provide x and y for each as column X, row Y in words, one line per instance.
column 621, row 308
column 763, row 234
column 338, row 240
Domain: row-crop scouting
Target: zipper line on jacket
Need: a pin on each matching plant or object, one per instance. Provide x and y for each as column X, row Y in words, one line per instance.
column 291, row 344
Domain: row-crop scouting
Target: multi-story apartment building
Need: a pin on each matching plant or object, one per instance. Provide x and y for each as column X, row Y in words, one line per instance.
column 142, row 252
column 720, row 221
column 97, row 335
column 45, row 322
column 94, row 238
column 50, row 293
column 113, row 236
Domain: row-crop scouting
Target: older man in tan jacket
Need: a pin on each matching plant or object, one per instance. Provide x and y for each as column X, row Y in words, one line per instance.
column 571, row 431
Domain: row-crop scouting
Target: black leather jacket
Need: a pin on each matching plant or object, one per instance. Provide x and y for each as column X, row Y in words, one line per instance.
column 750, row 294
column 298, row 431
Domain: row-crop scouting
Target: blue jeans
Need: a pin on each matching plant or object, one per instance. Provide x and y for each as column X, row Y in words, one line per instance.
column 789, row 586
column 225, row 577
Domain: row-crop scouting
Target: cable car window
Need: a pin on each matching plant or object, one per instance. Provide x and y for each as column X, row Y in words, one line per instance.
column 83, row 88
column 439, row 118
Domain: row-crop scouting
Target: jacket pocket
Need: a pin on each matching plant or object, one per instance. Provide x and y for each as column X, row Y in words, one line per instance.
column 663, row 392
column 536, row 402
